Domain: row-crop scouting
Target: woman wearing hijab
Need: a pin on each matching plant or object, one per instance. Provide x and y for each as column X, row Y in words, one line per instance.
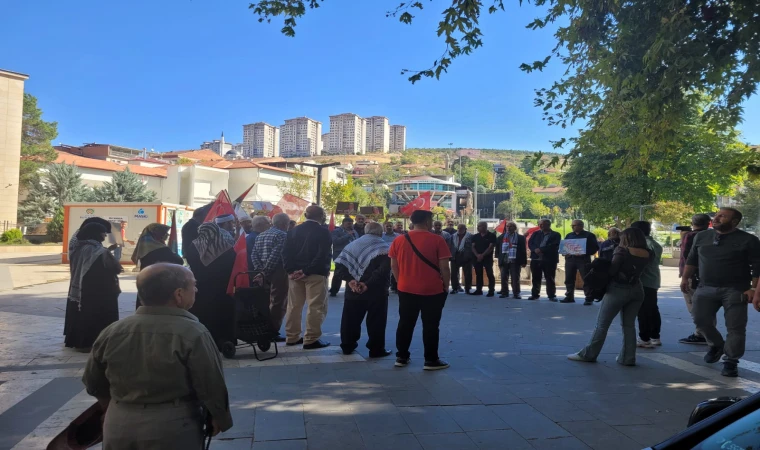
column 151, row 249
column 93, row 301
column 211, row 257
column 89, row 220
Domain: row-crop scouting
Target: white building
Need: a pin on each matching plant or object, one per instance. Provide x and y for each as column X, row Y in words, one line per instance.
column 300, row 137
column 325, row 142
column 398, row 138
column 217, row 145
column 377, row 136
column 347, row 135
column 261, row 140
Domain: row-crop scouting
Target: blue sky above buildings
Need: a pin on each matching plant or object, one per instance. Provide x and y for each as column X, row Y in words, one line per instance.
column 171, row 74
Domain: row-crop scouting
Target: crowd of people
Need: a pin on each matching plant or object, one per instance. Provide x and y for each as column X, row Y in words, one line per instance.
column 191, row 310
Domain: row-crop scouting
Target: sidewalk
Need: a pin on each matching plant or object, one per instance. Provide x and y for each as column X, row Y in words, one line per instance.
column 22, row 268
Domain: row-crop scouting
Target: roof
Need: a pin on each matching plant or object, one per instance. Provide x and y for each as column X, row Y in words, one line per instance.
column 14, row 74
column 422, row 178
column 99, row 164
column 198, row 155
column 548, row 190
column 243, row 164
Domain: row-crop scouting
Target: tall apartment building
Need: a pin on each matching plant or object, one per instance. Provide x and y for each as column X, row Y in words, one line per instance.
column 377, row 136
column 261, row 140
column 325, row 142
column 300, row 137
column 398, row 138
column 347, row 135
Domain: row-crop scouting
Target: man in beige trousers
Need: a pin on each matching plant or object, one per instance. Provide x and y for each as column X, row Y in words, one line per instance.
column 307, row 255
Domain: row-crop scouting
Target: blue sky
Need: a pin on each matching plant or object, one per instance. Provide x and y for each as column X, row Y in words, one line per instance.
column 171, row 74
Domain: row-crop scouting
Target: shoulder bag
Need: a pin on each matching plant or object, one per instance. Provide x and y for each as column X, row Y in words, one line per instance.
column 421, row 256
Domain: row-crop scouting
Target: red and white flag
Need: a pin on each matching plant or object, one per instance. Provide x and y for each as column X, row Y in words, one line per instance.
column 422, row 202
column 221, row 207
column 241, row 265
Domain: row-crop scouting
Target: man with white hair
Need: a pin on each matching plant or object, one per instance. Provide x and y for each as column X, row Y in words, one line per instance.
column 226, row 223
column 365, row 266
column 259, row 224
column 266, row 260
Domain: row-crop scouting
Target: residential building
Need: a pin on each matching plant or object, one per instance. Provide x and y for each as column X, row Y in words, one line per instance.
column 347, row 135
column 193, row 156
column 218, row 146
column 442, row 187
column 300, row 137
column 261, row 140
column 378, row 134
column 11, row 112
column 105, row 152
column 325, row 142
column 398, row 138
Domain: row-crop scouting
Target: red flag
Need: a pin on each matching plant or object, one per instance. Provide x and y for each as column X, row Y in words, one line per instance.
column 221, row 207
column 422, row 202
column 292, row 206
column 173, row 233
column 331, row 227
column 501, row 226
column 242, row 196
column 241, row 265
column 275, row 210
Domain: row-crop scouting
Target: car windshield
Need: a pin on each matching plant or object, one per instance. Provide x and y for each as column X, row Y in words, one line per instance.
column 744, row 434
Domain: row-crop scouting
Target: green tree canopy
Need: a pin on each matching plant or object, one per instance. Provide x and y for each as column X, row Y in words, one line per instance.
column 749, row 203
column 672, row 212
column 334, row 192
column 36, row 135
column 58, row 183
column 300, row 185
column 124, row 186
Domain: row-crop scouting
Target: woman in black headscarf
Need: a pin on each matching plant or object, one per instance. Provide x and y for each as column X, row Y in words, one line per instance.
column 211, row 257
column 73, row 242
column 93, row 300
column 151, row 249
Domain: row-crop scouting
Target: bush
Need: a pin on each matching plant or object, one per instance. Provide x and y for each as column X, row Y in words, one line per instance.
column 55, row 227
column 12, row 236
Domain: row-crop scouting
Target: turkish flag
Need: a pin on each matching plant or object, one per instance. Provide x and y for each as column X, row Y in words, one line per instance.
column 221, row 207
column 501, row 227
column 422, row 202
column 275, row 210
column 331, row 227
column 241, row 265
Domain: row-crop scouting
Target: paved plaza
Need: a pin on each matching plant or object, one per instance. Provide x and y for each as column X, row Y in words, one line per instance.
column 509, row 385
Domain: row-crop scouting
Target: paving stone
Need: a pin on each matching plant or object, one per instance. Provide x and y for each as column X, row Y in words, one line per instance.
column 499, row 440
column 412, row 398
column 475, row 418
column 335, row 436
column 563, row 443
column 492, row 394
column 398, row 441
column 295, row 444
column 648, row 435
column 447, row 441
column 232, row 444
column 279, row 423
column 533, row 390
column 600, row 436
column 528, row 422
column 429, row 419
column 558, row 409
column 380, row 420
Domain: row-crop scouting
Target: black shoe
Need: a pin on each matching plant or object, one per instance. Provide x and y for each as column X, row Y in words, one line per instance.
column 713, row 355
column 588, row 303
column 347, row 352
column 333, row 294
column 504, row 296
column 500, row 292
column 475, row 293
column 298, row 342
column 553, row 299
column 438, row 364
column 534, row 297
column 381, row 354
column 490, row 294
column 517, row 297
column 454, row 291
column 693, row 339
column 402, row 362
column 730, row 369
column 319, row 343
column 279, row 338
column 567, row 300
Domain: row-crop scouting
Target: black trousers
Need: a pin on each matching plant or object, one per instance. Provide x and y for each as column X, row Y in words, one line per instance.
column 394, row 283
column 479, row 266
column 649, row 316
column 573, row 265
column 335, row 284
column 510, row 270
column 455, row 267
column 411, row 306
column 549, row 271
column 355, row 307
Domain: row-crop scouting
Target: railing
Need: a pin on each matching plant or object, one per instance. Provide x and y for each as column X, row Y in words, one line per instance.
column 6, row 225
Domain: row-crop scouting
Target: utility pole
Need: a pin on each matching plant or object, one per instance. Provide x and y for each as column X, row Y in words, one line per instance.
column 641, row 209
column 475, row 198
column 494, row 209
column 319, row 168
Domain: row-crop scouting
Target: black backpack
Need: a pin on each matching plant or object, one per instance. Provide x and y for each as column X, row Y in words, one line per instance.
column 597, row 278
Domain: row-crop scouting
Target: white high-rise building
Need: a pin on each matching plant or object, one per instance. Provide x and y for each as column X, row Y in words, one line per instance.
column 377, row 136
column 261, row 140
column 398, row 138
column 300, row 137
column 325, row 142
column 347, row 135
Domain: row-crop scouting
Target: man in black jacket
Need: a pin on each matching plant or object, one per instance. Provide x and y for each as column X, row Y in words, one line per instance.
column 544, row 257
column 307, row 260
column 512, row 255
column 577, row 263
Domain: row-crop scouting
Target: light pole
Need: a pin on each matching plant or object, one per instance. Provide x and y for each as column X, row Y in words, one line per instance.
column 475, row 198
column 641, row 209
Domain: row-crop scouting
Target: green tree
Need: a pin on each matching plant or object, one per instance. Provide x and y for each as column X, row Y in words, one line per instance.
column 300, row 185
column 124, row 186
column 749, row 201
column 485, row 173
column 36, row 135
column 58, row 183
column 334, row 192
column 672, row 211
column 55, row 226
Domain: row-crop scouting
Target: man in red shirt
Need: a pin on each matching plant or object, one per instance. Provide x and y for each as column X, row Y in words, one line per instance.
column 420, row 263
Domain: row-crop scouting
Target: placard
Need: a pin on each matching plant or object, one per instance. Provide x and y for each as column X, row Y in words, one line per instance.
column 350, row 208
column 572, row 247
column 372, row 212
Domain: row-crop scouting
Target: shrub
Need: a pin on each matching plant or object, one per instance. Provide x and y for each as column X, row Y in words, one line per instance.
column 55, row 227
column 12, row 236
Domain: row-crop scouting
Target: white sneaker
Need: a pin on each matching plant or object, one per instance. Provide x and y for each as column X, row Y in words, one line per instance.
column 644, row 344
column 655, row 342
column 575, row 357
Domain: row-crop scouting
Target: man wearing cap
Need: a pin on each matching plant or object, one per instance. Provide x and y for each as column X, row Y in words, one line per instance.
column 226, row 223
column 699, row 223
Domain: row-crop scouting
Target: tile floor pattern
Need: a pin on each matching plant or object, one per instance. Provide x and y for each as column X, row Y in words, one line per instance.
column 509, row 385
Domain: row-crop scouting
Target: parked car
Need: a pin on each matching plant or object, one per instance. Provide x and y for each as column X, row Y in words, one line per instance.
column 724, row 423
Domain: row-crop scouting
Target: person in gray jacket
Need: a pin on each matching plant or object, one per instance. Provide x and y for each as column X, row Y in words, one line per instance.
column 341, row 237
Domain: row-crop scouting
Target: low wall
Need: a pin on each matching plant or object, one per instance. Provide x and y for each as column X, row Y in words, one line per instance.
column 31, row 249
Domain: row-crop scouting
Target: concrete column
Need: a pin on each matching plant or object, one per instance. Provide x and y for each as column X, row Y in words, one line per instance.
column 11, row 111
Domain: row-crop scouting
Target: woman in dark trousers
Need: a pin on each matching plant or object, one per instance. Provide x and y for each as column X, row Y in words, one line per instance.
column 624, row 296
column 211, row 257
column 151, row 249
column 93, row 299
